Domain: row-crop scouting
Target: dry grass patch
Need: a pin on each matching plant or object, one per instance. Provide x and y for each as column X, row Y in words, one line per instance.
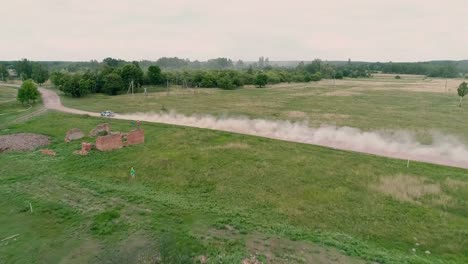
column 407, row 188
column 455, row 184
column 297, row 114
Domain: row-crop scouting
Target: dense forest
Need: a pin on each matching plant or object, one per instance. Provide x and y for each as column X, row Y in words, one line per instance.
column 114, row 76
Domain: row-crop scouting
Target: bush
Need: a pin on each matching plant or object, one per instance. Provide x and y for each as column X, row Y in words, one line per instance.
column 397, row 77
column 28, row 92
column 316, row 77
column 225, row 83
column 261, row 80
column 113, row 84
column 208, row 81
column 339, row 75
column 273, row 78
column 75, row 85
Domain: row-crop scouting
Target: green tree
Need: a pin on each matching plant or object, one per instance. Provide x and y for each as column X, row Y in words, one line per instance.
column 86, row 85
column 111, row 62
column 462, row 91
column 131, row 72
column 57, row 78
column 23, row 69
column 261, row 80
column 273, row 77
column 73, row 85
column 154, row 75
column 39, row 74
column 113, row 84
column 225, row 82
column 28, row 92
column 316, row 77
column 219, row 63
column 208, row 81
column 3, row 73
column 314, row 66
column 338, row 75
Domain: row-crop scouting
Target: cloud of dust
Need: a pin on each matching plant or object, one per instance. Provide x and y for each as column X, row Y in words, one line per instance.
column 444, row 150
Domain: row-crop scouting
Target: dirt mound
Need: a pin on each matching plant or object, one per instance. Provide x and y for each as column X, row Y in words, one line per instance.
column 22, row 142
column 100, row 130
column 73, row 134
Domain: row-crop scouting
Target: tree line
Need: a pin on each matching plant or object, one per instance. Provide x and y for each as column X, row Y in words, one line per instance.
column 115, row 76
column 25, row 70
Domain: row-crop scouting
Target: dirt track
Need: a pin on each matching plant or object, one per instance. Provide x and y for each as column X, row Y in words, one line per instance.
column 52, row 101
column 444, row 152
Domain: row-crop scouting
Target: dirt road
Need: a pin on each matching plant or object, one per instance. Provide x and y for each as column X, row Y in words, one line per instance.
column 52, row 101
column 444, row 150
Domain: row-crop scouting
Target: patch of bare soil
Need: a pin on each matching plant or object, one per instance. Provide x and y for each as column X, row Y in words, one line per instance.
column 84, row 253
column 279, row 250
column 22, row 142
column 136, row 248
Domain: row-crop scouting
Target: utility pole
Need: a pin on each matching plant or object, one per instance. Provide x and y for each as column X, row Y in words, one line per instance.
column 130, row 87
column 167, row 87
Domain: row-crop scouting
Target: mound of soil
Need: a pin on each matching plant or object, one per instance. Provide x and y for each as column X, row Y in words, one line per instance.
column 22, row 142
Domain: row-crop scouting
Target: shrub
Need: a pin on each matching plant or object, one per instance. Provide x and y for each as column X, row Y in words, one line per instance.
column 261, row 80
column 28, row 92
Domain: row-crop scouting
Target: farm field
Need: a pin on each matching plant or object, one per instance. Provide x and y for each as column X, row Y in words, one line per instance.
column 413, row 103
column 224, row 197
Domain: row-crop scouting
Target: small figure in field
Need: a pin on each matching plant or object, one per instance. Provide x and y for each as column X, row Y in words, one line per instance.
column 146, row 92
column 132, row 172
column 138, row 124
column 132, row 123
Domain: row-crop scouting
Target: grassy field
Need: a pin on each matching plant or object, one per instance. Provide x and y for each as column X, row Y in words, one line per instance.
column 224, row 196
column 11, row 109
column 412, row 103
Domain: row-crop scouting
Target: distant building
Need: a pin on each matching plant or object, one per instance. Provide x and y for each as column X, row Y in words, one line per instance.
column 12, row 73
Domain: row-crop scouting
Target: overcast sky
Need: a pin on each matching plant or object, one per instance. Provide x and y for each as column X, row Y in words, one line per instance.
column 371, row 30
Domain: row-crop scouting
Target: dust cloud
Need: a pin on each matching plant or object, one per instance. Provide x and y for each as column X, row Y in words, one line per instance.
column 444, row 150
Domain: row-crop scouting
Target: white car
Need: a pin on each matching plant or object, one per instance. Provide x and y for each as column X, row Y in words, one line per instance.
column 107, row 113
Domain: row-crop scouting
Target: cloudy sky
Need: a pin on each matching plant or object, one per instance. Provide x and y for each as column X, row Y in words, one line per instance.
column 371, row 30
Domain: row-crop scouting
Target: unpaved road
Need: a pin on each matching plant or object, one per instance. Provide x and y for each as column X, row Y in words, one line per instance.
column 52, row 101
column 445, row 151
